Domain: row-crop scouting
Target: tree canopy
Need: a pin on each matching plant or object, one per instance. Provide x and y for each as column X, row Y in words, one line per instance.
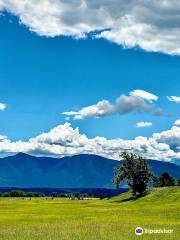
column 135, row 171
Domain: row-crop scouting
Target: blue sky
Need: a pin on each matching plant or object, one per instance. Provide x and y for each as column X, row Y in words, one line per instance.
column 42, row 76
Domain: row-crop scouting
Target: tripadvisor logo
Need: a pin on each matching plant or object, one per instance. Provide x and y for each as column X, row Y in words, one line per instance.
column 139, row 231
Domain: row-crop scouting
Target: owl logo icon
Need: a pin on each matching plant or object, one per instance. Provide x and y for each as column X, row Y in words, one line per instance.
column 139, row 231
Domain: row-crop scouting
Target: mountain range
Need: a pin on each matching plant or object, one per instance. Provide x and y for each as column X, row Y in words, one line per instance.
column 79, row 171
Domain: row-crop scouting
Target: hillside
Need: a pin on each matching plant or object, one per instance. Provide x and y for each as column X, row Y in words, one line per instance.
column 79, row 171
column 160, row 196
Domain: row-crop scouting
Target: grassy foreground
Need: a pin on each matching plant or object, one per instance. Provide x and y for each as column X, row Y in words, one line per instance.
column 111, row 219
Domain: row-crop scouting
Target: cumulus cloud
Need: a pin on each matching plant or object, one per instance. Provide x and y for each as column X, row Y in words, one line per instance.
column 145, row 95
column 143, row 124
column 170, row 137
column 2, row 106
column 101, row 109
column 3, row 138
column 174, row 99
column 63, row 140
column 177, row 122
column 151, row 25
column 123, row 105
column 126, row 104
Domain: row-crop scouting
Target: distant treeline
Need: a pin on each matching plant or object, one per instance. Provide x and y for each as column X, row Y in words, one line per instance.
column 71, row 193
column 18, row 193
column 22, row 194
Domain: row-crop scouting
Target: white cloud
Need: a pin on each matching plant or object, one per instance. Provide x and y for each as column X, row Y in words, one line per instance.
column 126, row 104
column 63, row 140
column 177, row 122
column 151, row 25
column 170, row 137
column 3, row 138
column 145, row 95
column 123, row 105
column 143, row 124
column 174, row 99
column 2, row 106
column 101, row 109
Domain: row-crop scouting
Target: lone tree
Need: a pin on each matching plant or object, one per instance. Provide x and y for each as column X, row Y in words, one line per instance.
column 135, row 171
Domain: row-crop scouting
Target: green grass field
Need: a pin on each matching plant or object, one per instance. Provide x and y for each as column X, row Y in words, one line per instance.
column 107, row 219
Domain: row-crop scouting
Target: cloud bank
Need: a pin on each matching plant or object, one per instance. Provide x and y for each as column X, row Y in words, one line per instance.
column 137, row 101
column 63, row 140
column 151, row 25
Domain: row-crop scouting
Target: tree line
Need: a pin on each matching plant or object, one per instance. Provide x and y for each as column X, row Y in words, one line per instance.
column 19, row 193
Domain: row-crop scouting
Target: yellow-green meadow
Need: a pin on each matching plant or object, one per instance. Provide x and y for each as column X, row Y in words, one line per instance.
column 91, row 219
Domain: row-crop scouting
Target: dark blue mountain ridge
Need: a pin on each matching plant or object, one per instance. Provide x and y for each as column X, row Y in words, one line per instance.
column 78, row 171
